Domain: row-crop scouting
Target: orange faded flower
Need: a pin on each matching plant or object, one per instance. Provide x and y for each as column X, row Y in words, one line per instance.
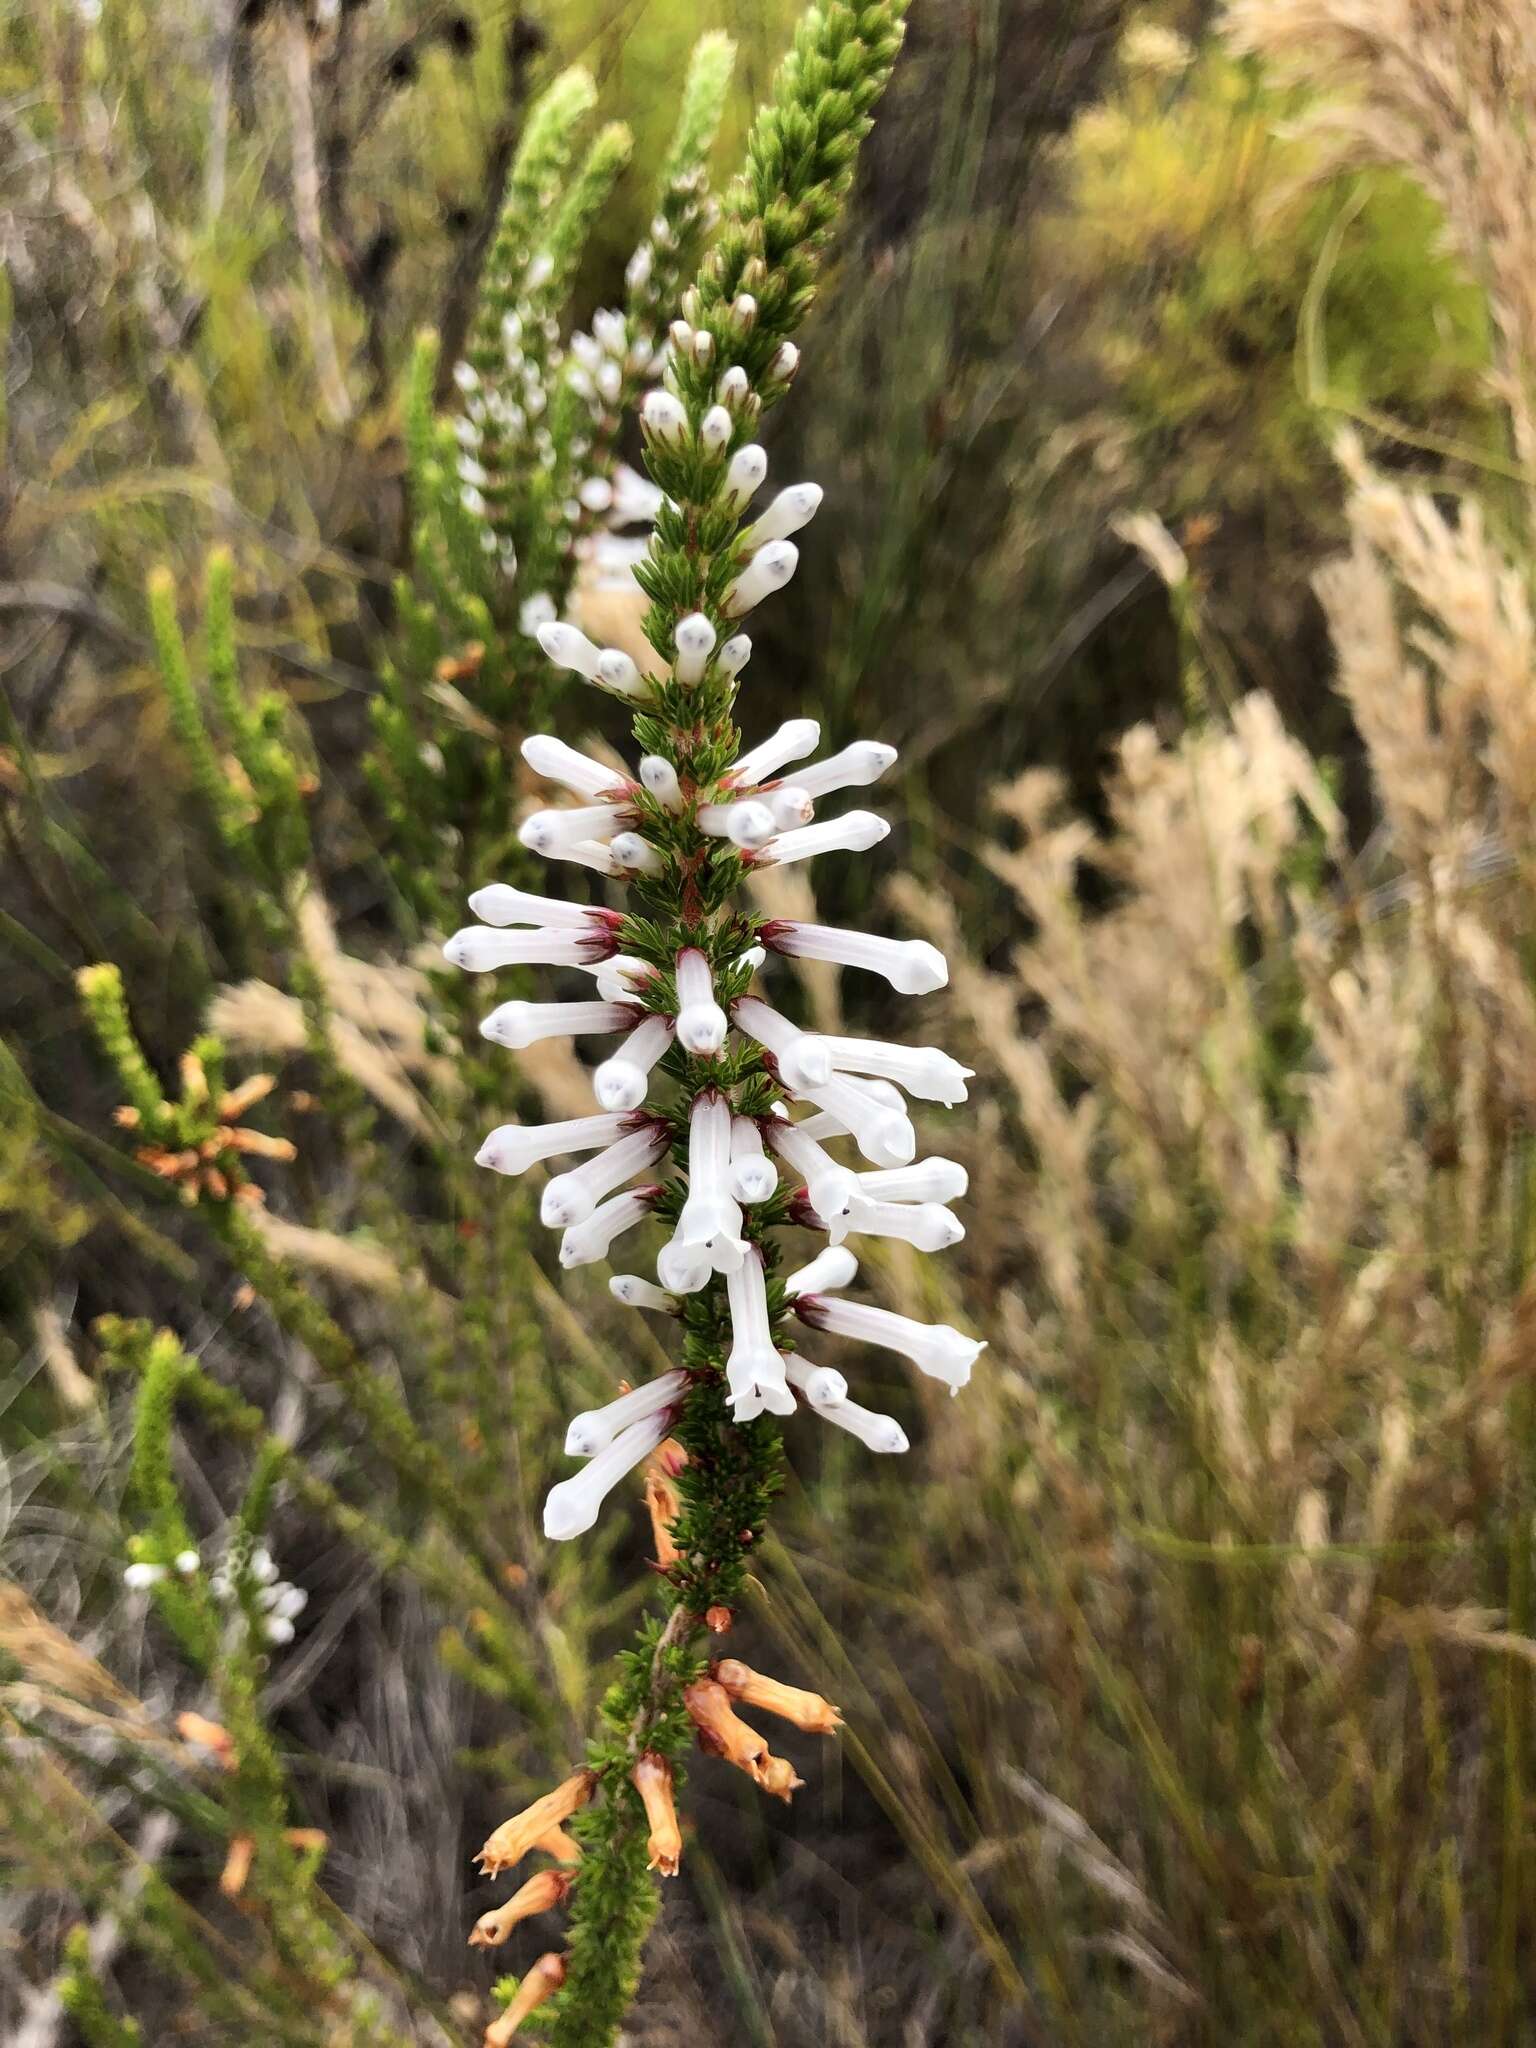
column 511, row 1842
column 237, row 1865
column 208, row 1735
column 541, row 1894
column 545, row 1978
column 652, row 1779
column 717, row 1620
column 776, row 1774
column 662, row 1501
column 808, row 1710
column 720, row 1731
column 563, row 1847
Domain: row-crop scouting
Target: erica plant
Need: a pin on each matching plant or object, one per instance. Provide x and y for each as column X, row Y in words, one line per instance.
column 766, row 1127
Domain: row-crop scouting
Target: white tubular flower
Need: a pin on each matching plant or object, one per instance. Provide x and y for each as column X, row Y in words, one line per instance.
column 663, row 417
column 790, row 804
column 568, row 647
column 571, row 1197
column 684, row 1268
column 637, row 1293
column 753, row 957
column 874, row 1431
column 796, row 738
column 616, row 672
column 521, row 1024
column 578, row 772
column 928, row 1226
column 820, row 1384
column 884, row 1135
column 790, row 510
column 589, row 853
column 937, row 1349
column 187, row 1562
column 138, row 1578
column 497, row 903
column 695, row 642
column 593, row 1238
column 803, row 1058
column 911, row 966
column 748, row 825
column 834, row 1267
column 930, row 1180
column 753, row 1177
column 769, row 570
column 710, row 1219
column 923, row 1070
column 513, row 1148
column 701, row 1024
column 596, row 1428
column 743, row 477
column 478, row 949
column 754, row 1371
column 552, row 833
column 571, row 1508
column 854, row 768
column 715, row 429
column 621, row 1083
column 734, row 655
column 636, row 500
column 635, row 854
column 620, row 976
column 832, row 1188
column 660, row 778
column 733, row 386
column 855, row 833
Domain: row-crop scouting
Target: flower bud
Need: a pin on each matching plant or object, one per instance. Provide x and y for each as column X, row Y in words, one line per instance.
column 769, row 570
column 663, row 418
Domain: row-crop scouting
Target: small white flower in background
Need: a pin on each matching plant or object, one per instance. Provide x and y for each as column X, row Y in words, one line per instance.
column 687, row 999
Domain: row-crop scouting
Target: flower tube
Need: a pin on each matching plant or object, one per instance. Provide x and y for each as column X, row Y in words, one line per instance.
column 556, row 762
column 710, row 1219
column 882, row 1433
column 570, row 1508
column 794, row 507
column 923, row 1071
column 753, row 1178
column 553, row 832
column 802, row 1056
column 596, row 1428
column 571, row 1197
column 499, row 904
column 754, row 1371
column 937, row 1349
column 821, row 1385
column 911, row 966
column 928, row 1226
column 884, row 1135
column 831, row 1187
column 635, row 1292
column 854, row 833
column 621, row 1083
column 747, row 825
column 701, row 1024
column 478, row 949
column 854, row 768
column 930, row 1180
column 834, row 1267
column 513, row 1148
column 796, row 738
column 522, row 1024
column 594, row 1236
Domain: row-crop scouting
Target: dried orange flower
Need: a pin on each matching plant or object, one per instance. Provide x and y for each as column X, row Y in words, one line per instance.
column 664, row 1506
column 563, row 1847
column 544, row 1979
column 720, row 1731
column 808, row 1710
column 237, row 1865
column 776, row 1774
column 652, row 1779
column 514, row 1838
column 717, row 1620
column 208, row 1735
column 541, row 1894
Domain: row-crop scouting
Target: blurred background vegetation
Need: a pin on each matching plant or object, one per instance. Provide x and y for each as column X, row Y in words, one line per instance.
column 1187, row 1661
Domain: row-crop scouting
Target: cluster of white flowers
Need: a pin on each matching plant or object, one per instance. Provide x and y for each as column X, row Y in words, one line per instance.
column 279, row 1604
column 835, row 1090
